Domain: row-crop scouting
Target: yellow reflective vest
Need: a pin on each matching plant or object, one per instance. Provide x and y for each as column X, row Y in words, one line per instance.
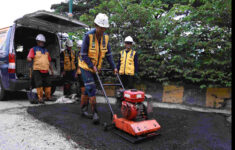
column 79, row 57
column 69, row 64
column 127, row 64
column 96, row 52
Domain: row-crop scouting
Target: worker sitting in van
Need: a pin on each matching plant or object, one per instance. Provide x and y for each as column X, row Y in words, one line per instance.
column 68, row 62
column 41, row 64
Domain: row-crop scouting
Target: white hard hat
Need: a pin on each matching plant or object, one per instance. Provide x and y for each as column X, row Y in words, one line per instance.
column 41, row 37
column 129, row 39
column 102, row 20
column 79, row 43
column 69, row 43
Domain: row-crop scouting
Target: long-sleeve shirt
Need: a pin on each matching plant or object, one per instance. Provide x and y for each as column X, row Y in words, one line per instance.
column 85, row 48
column 135, row 62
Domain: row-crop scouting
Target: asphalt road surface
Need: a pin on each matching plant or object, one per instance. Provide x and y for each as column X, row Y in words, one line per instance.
column 180, row 129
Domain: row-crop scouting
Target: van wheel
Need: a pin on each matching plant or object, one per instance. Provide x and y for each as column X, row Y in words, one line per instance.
column 53, row 88
column 2, row 92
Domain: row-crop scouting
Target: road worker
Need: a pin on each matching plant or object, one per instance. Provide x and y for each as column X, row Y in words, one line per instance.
column 78, row 73
column 68, row 62
column 128, row 64
column 40, row 58
column 94, row 48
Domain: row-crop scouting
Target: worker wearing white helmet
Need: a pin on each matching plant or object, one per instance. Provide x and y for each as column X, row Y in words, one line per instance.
column 94, row 48
column 78, row 73
column 128, row 63
column 41, row 37
column 68, row 62
column 40, row 57
column 79, row 44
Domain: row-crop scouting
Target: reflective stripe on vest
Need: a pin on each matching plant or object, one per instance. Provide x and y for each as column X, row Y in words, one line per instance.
column 96, row 52
column 127, row 66
column 40, row 61
column 69, row 64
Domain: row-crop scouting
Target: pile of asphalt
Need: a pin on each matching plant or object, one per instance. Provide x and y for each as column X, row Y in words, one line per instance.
column 180, row 129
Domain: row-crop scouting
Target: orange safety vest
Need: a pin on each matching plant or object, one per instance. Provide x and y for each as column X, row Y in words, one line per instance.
column 40, row 61
column 96, row 52
column 69, row 64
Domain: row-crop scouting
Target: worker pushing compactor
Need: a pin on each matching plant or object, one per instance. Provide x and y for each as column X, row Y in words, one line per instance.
column 94, row 48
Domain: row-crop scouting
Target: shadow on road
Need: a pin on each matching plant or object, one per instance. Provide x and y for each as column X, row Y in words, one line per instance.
column 180, row 129
column 16, row 95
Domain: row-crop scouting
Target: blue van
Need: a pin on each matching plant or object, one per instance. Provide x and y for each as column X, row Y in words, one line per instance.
column 16, row 41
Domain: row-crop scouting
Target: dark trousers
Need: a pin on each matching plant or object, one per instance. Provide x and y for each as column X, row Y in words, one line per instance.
column 69, row 78
column 41, row 79
column 127, row 81
column 80, row 85
column 80, row 81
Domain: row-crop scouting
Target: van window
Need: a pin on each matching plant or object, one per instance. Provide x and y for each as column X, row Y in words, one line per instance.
column 24, row 40
column 4, row 41
column 3, row 35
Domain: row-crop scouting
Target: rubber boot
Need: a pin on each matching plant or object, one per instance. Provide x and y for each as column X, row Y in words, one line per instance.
column 95, row 118
column 82, row 91
column 48, row 93
column 40, row 95
column 84, row 106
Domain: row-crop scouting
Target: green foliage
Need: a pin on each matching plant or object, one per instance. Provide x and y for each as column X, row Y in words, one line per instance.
column 194, row 48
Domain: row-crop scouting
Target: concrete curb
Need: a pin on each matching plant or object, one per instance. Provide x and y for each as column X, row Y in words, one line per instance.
column 101, row 99
column 191, row 108
column 112, row 100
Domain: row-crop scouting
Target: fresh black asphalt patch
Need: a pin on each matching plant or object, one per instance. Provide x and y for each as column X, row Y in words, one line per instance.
column 180, row 129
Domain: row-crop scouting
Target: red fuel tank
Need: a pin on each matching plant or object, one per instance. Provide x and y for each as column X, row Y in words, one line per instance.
column 134, row 96
column 129, row 110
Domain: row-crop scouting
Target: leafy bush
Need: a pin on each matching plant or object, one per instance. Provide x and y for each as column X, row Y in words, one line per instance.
column 183, row 41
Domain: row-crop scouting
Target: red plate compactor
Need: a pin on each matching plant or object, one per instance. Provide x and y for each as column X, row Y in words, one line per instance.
column 135, row 125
